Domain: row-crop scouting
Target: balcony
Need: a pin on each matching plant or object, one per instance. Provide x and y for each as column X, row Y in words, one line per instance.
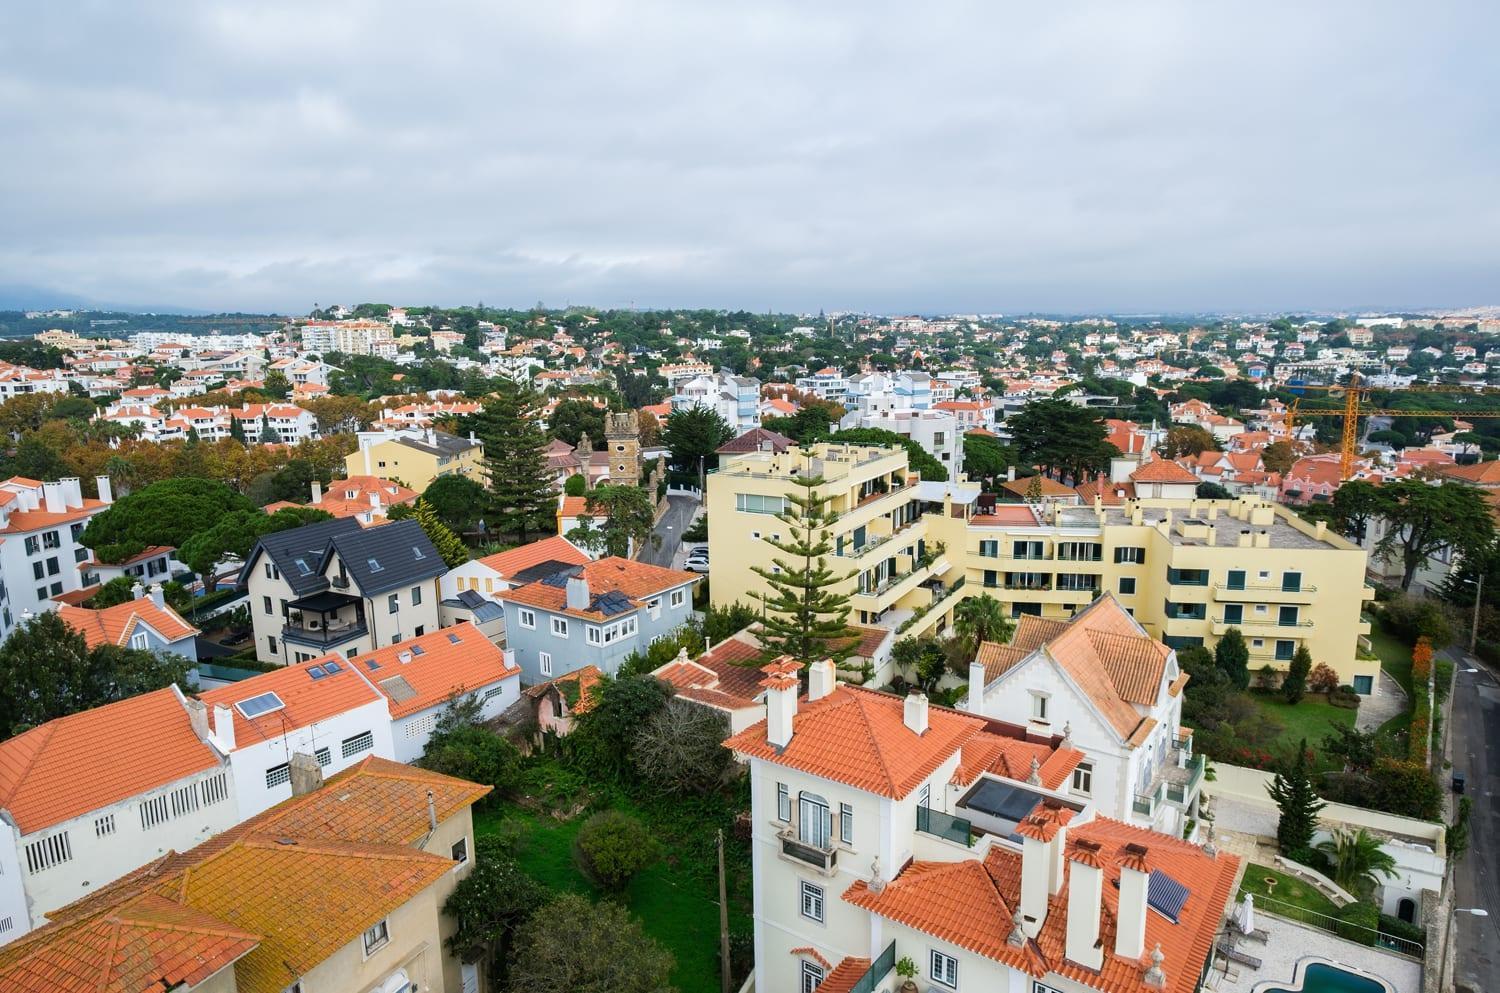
column 878, row 970
column 1263, row 628
column 822, row 859
column 1146, row 804
column 317, row 636
column 889, row 592
column 1263, row 593
column 1183, row 781
column 324, row 620
column 958, row 830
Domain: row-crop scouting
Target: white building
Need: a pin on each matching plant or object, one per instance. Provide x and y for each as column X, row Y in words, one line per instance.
column 734, row 398
column 937, row 431
column 40, row 554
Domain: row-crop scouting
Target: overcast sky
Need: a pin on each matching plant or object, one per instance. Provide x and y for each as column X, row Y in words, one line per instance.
column 996, row 157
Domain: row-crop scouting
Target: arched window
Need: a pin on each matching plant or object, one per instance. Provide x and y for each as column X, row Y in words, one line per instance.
column 814, row 822
column 1407, row 910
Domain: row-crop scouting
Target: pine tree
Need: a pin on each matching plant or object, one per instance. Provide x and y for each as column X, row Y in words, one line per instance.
column 236, row 430
column 449, row 545
column 268, row 435
column 1233, row 656
column 523, row 497
column 1293, row 792
column 1294, row 684
column 803, row 616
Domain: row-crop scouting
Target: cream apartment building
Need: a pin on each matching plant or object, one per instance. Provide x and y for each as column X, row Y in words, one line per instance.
column 1187, row 570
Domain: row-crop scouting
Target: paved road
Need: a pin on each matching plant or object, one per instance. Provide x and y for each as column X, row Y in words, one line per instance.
column 679, row 514
column 1476, row 736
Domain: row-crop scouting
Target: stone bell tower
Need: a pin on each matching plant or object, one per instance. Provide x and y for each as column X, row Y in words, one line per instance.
column 622, row 432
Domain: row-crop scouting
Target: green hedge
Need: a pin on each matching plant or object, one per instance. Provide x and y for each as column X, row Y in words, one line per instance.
column 1360, row 923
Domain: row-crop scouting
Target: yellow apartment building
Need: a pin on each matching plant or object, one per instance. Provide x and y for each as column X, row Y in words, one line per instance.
column 415, row 456
column 1186, row 569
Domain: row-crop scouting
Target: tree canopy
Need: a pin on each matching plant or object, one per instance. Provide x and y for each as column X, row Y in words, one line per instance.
column 1062, row 437
column 918, row 457
column 523, row 498
column 572, row 945
column 1425, row 519
column 165, row 513
column 571, row 419
column 693, row 433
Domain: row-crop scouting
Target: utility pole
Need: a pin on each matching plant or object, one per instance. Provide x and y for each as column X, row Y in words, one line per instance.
column 1478, row 599
column 723, row 922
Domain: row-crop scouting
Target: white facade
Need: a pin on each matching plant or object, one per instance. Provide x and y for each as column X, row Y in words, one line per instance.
column 734, row 398
column 937, row 431
column 411, row 733
column 40, row 552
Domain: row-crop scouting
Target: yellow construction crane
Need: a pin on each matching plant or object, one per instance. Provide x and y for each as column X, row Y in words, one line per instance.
column 1356, row 393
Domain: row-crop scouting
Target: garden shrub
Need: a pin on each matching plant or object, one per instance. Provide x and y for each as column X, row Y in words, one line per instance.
column 612, row 847
column 1359, row 922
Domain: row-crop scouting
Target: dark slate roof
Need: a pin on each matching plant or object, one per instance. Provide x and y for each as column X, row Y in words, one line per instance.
column 752, row 440
column 482, row 609
column 380, row 559
column 443, row 444
column 542, row 570
column 307, row 543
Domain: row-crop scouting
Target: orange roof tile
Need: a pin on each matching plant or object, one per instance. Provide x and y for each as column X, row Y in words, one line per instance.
column 63, row 768
column 114, row 625
column 726, row 678
column 22, row 521
column 553, row 549
column 636, row 580
column 859, row 737
column 1049, row 486
column 1012, row 758
column 433, row 667
column 1162, row 471
column 304, row 700
column 578, row 688
column 843, row 977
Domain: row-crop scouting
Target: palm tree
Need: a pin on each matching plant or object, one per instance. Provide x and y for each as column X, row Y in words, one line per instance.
column 1358, row 861
column 981, row 618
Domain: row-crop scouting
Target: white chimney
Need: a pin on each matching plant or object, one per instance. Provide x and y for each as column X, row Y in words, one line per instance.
column 781, row 700
column 52, row 494
column 106, row 489
column 72, row 491
column 975, row 704
column 1130, row 925
column 578, row 593
column 317, row 491
column 1044, row 835
column 822, row 679
column 158, row 597
column 914, row 716
column 1085, row 902
column 224, row 727
column 137, row 590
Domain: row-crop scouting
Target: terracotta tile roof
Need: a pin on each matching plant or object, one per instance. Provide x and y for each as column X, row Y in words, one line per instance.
column 1109, row 494
column 752, row 440
column 867, row 641
column 1011, row 758
column 844, row 975
column 98, row 757
column 114, row 625
column 553, row 549
column 636, row 580
column 577, row 688
column 436, row 665
column 1006, row 514
column 728, row 677
column 1162, row 471
column 148, row 945
column 997, row 658
column 858, row 737
column 1049, row 486
column 304, row 700
column 971, row 904
column 23, row 521
column 1480, row 473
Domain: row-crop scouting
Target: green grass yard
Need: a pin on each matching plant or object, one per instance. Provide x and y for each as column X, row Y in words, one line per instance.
column 1395, row 655
column 676, row 899
column 1287, row 889
column 1312, row 719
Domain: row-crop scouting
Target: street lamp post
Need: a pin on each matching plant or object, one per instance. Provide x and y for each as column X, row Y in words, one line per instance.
column 1448, row 938
column 1478, row 599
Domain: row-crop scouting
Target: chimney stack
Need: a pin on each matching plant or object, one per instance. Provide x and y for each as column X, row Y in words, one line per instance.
column 137, row 590
column 1085, row 903
column 106, row 489
column 822, row 679
column 1130, row 923
column 1044, row 835
column 158, row 596
column 976, row 688
column 915, row 714
column 224, row 727
column 432, row 821
column 317, row 491
column 52, row 495
column 307, row 775
column 781, row 700
column 578, row 593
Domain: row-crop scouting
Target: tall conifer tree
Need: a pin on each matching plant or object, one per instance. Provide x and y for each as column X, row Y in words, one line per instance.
column 523, row 497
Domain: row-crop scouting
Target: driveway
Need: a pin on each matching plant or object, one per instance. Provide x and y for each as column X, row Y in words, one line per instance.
column 669, row 529
column 1476, row 736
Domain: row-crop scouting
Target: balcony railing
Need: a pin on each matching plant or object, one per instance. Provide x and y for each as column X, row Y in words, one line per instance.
column 324, row 636
column 946, row 826
column 877, row 971
column 820, row 858
column 1145, row 804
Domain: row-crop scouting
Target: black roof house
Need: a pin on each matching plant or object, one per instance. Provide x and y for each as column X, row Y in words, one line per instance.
column 376, row 560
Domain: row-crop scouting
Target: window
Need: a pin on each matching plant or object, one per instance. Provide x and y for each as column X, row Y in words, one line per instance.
column 1130, row 555
column 1285, row 650
column 1291, row 582
column 1127, row 585
column 393, row 603
column 753, row 503
column 924, row 798
column 268, row 571
column 1234, row 613
column 544, row 661
column 944, row 968
column 1236, row 579
column 53, row 568
column 989, row 549
column 104, row 826
column 358, row 743
column 1026, row 550
column 527, row 618
column 812, row 902
column 653, row 607
column 846, row 824
column 278, row 776
column 33, row 544
column 678, row 598
column 812, row 976
column 140, row 640
column 416, row 596
column 38, row 570
column 1038, row 706
column 271, row 643
column 594, row 637
column 1083, row 778
column 460, row 851
column 377, row 938
column 57, row 849
column 1287, row 617
column 324, row 757
column 265, row 604
column 783, row 803
column 560, row 627
column 1188, row 577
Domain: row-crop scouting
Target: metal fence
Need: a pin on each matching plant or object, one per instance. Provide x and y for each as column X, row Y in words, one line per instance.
column 1348, row 930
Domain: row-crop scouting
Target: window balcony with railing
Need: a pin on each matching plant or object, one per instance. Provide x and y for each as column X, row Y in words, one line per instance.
column 1146, row 804
column 822, row 859
column 955, row 829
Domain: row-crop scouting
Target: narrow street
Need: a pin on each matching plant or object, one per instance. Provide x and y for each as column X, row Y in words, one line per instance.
column 1476, row 729
column 669, row 529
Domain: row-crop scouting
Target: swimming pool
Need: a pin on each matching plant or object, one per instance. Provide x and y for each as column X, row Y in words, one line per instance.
column 1321, row 977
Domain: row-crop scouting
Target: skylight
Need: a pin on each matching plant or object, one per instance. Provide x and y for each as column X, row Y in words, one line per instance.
column 418, row 650
column 303, row 567
column 316, row 672
column 331, row 668
column 374, row 565
column 264, row 703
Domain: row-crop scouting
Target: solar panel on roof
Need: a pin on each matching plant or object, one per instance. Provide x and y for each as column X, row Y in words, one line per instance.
column 264, row 703
column 611, row 603
column 1165, row 895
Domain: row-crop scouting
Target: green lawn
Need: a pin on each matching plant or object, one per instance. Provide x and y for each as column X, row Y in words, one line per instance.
column 1311, row 719
column 1395, row 655
column 1288, row 889
column 676, row 899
